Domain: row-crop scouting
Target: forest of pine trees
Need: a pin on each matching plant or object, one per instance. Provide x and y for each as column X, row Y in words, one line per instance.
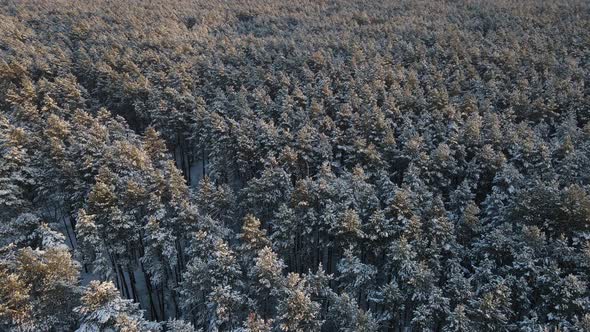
column 294, row 165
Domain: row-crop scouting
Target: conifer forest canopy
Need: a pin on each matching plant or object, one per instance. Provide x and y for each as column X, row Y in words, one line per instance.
column 294, row 165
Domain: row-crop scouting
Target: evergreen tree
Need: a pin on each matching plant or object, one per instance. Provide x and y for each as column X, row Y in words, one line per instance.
column 103, row 309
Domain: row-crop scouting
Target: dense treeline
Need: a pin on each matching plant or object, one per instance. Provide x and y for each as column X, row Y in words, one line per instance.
column 331, row 165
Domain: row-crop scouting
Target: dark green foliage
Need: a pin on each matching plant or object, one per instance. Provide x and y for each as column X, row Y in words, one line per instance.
column 295, row 165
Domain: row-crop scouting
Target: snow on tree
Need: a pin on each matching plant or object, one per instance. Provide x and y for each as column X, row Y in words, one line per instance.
column 103, row 309
column 359, row 171
column 39, row 288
